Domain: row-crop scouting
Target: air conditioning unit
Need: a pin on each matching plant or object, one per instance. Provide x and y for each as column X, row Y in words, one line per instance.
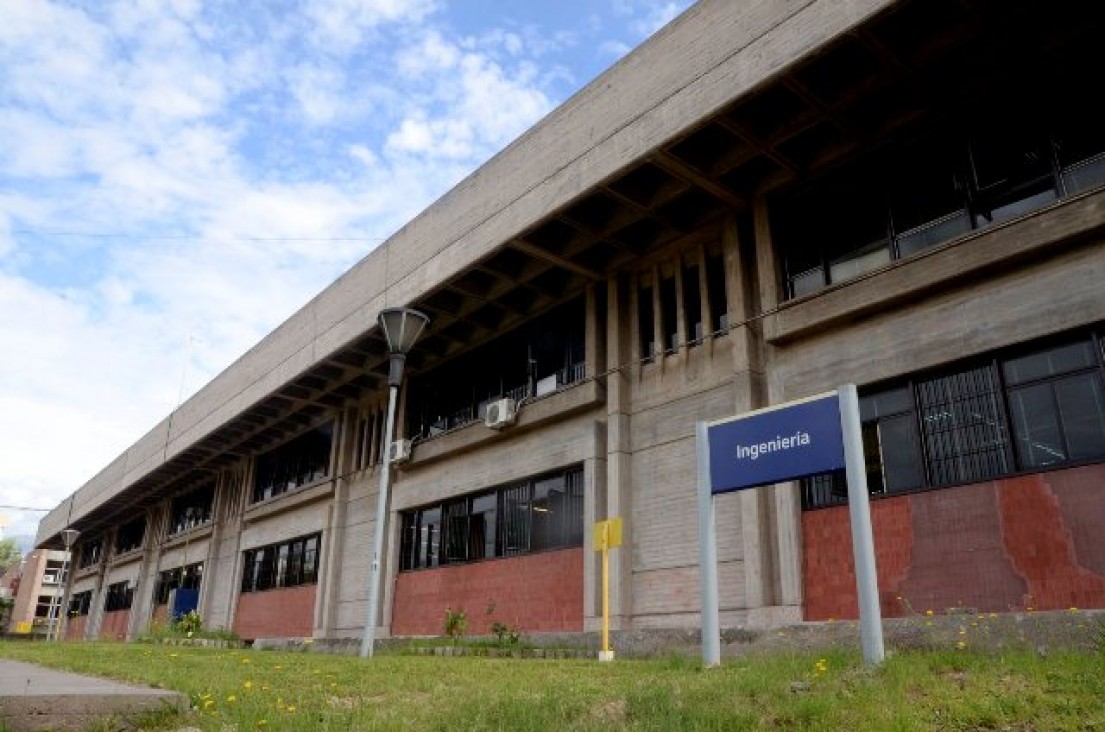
column 399, row 451
column 500, row 413
column 546, row 385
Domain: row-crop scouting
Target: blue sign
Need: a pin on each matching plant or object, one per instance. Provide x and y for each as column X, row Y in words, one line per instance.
column 783, row 443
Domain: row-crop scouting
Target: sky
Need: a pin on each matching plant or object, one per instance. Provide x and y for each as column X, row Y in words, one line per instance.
column 177, row 177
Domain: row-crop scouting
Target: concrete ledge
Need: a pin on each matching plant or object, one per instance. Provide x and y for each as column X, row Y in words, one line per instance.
column 37, row 698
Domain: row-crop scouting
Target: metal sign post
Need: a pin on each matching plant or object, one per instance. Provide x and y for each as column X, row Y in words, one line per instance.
column 786, row 442
column 608, row 535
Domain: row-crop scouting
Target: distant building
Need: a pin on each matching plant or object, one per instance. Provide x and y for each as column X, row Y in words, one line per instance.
column 761, row 202
column 37, row 585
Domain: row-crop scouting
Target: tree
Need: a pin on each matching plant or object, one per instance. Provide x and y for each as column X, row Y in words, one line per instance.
column 9, row 554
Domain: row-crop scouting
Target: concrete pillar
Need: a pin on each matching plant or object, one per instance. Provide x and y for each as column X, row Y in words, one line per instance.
column 620, row 320
column 347, row 434
column 784, row 501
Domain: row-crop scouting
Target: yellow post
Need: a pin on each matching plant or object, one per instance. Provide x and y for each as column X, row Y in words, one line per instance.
column 608, row 535
column 607, row 654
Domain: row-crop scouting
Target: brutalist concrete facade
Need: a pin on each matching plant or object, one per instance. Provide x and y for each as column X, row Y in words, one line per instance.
column 653, row 200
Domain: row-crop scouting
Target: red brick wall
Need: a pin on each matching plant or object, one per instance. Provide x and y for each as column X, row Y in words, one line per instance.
column 1025, row 542
column 74, row 627
column 287, row 613
column 114, row 625
column 533, row 593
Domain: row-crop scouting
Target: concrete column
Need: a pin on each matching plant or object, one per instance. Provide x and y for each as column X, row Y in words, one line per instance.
column 618, row 480
column 784, row 501
column 141, row 585
column 326, row 598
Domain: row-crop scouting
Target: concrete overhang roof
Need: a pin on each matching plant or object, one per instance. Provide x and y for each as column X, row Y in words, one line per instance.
column 730, row 102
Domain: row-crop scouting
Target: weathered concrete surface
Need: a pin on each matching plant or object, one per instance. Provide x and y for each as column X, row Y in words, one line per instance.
column 37, row 698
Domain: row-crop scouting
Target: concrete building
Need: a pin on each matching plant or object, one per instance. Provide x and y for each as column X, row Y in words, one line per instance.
column 761, row 202
column 37, row 586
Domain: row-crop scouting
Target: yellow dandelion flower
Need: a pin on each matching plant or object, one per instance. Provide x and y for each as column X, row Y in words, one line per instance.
column 208, row 703
column 928, row 613
column 262, row 722
column 961, row 645
column 173, row 655
column 231, row 698
column 245, row 660
column 291, row 709
column 1073, row 610
column 247, row 684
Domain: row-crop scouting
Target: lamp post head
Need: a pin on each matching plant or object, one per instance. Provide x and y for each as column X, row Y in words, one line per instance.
column 401, row 327
column 69, row 537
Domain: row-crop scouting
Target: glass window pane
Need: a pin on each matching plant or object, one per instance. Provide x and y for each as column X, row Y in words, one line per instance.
column 1036, row 426
column 1082, row 411
column 898, row 444
column 1051, row 362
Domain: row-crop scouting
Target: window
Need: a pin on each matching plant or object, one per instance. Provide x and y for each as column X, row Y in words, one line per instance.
column 533, row 359
column 188, row 578
column 302, row 461
column 715, row 292
column 1056, row 405
column 288, row 564
column 1023, row 411
column 191, row 509
column 91, row 553
column 646, row 321
column 528, row 516
column 692, row 304
column 80, row 603
column 53, row 574
column 962, row 426
column 669, row 309
column 120, row 596
column 890, row 442
column 932, row 190
column 43, row 604
column 130, row 535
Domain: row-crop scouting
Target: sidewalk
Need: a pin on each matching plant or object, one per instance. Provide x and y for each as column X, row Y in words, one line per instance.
column 37, row 698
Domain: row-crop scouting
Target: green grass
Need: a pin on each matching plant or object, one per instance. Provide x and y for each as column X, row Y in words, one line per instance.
column 922, row 690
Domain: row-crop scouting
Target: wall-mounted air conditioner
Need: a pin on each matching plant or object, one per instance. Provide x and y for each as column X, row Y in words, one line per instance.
column 546, row 385
column 500, row 413
column 399, row 451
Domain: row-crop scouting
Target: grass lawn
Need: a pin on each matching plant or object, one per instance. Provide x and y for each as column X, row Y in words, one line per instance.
column 956, row 689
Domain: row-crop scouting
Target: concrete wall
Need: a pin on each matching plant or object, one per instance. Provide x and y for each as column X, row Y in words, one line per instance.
column 1023, row 543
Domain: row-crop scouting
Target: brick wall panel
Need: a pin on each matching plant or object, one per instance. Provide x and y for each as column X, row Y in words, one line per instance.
column 283, row 613
column 535, row 593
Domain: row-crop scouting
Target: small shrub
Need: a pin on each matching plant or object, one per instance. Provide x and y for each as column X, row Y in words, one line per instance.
column 505, row 634
column 456, row 624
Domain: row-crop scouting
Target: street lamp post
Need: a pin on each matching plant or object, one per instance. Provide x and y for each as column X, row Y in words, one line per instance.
column 68, row 538
column 401, row 327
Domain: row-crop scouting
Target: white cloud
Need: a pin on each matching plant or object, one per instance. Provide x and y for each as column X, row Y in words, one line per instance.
column 185, row 175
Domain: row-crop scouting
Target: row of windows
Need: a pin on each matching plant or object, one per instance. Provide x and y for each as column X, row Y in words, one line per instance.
column 289, row 564
column 529, row 361
column 296, row 463
column 687, row 290
column 931, row 191
column 528, row 516
column 1032, row 410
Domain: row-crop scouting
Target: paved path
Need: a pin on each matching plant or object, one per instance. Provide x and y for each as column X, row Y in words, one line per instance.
column 37, row 698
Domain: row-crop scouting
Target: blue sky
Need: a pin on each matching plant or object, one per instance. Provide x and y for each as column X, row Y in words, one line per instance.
column 177, row 177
